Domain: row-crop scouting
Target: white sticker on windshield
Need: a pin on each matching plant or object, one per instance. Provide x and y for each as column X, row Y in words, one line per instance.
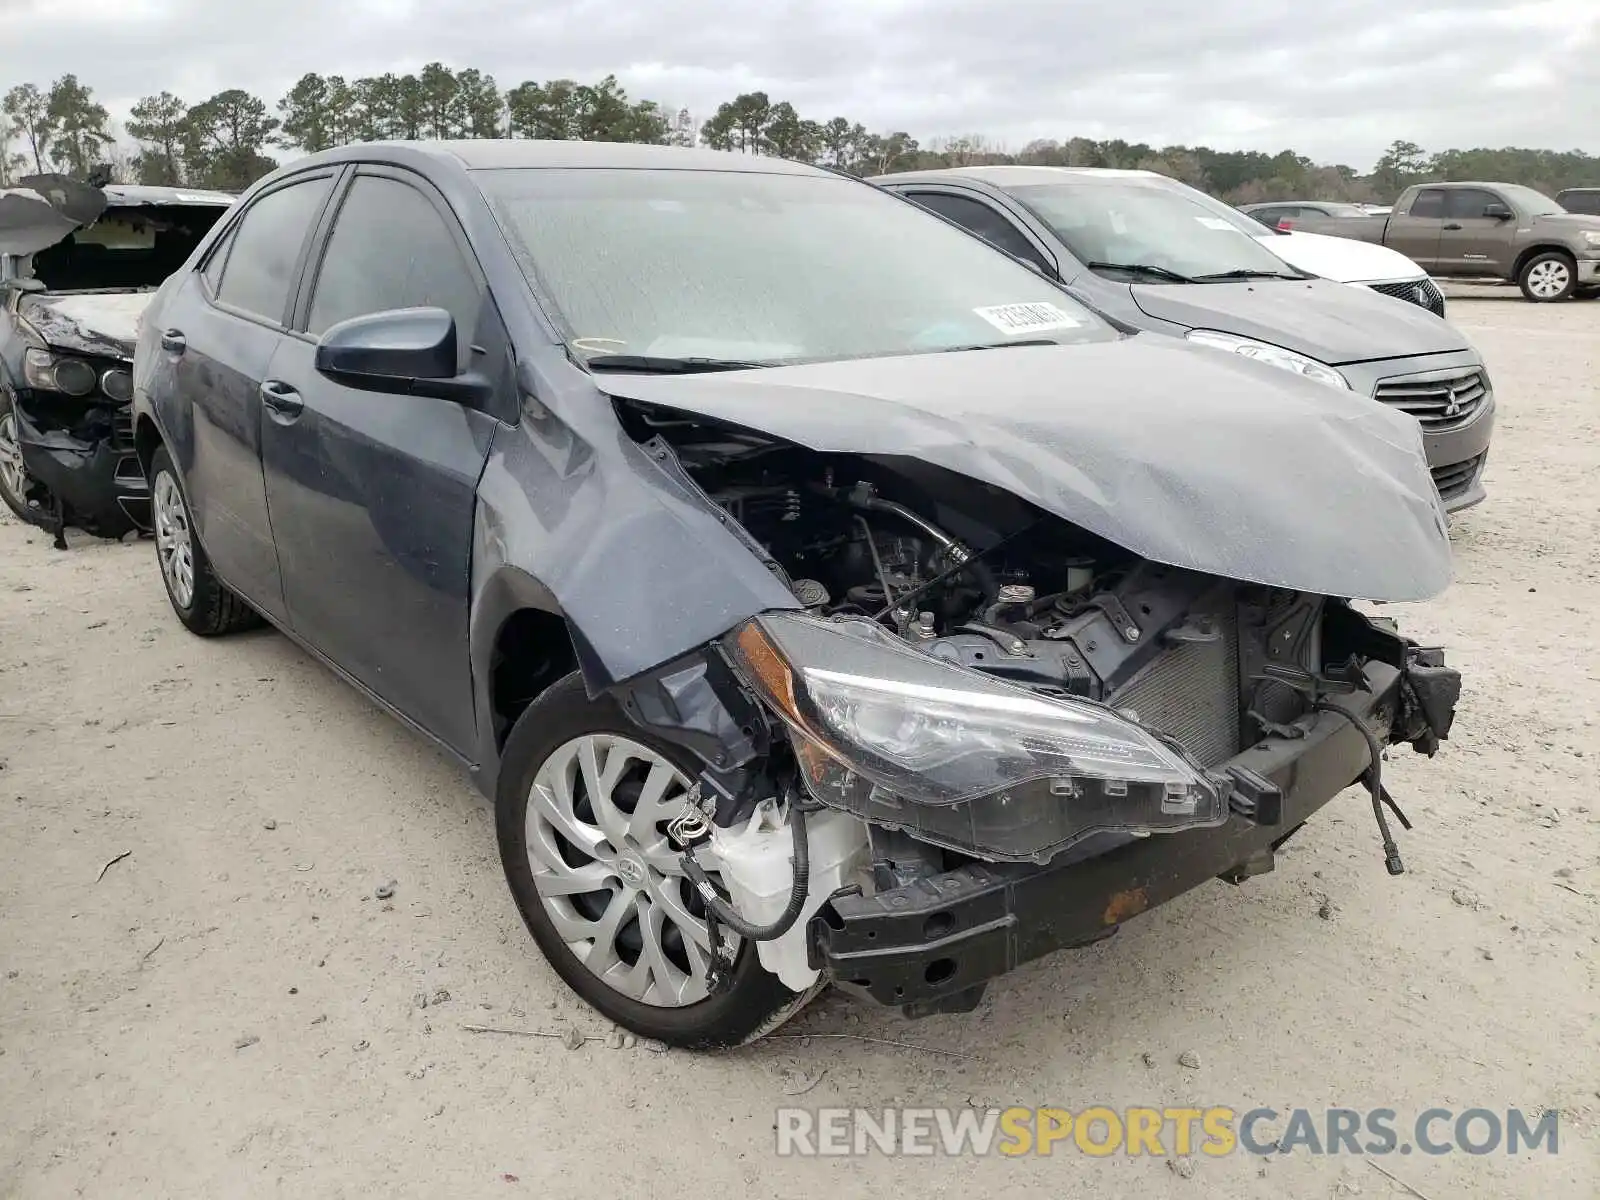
column 1027, row 318
column 1216, row 223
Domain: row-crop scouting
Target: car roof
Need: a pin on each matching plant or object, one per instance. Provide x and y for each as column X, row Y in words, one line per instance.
column 489, row 154
column 1002, row 175
column 128, row 194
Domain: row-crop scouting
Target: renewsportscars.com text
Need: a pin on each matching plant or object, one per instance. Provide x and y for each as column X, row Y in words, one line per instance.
column 1160, row 1132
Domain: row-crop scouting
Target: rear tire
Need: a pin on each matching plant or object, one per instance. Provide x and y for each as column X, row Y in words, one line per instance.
column 1548, row 277
column 600, row 892
column 204, row 604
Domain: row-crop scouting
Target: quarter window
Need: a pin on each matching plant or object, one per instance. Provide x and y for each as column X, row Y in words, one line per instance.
column 266, row 247
column 391, row 248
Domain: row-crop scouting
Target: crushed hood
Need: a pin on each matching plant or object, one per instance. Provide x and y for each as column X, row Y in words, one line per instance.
column 1343, row 260
column 88, row 322
column 1183, row 454
column 1328, row 321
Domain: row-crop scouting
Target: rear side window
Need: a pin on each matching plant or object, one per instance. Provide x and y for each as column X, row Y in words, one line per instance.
column 991, row 226
column 266, row 247
column 391, row 248
column 1428, row 203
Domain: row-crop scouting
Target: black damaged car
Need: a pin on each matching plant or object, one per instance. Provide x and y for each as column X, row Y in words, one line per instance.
column 820, row 595
column 78, row 263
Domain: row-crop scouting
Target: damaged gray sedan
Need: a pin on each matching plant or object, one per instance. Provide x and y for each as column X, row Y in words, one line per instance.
column 821, row 596
column 78, row 263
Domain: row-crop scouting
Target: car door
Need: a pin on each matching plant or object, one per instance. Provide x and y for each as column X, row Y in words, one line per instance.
column 372, row 494
column 219, row 332
column 1469, row 242
column 1415, row 233
column 987, row 221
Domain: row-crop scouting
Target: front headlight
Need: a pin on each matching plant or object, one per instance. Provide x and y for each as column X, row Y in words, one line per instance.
column 1591, row 237
column 901, row 738
column 57, row 373
column 1268, row 353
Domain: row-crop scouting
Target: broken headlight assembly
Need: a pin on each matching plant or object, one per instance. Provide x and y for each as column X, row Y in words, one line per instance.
column 1266, row 352
column 58, row 373
column 959, row 758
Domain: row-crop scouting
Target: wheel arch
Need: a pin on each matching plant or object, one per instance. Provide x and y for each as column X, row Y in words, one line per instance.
column 1533, row 252
column 520, row 643
column 147, row 440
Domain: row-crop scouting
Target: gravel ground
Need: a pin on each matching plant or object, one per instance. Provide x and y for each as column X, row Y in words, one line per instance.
column 227, row 1009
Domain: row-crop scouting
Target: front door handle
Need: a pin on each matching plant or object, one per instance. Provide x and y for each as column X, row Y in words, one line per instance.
column 1453, row 225
column 172, row 341
column 281, row 399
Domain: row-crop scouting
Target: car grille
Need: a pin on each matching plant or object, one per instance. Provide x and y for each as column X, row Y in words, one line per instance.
column 1457, row 477
column 1191, row 693
column 1420, row 292
column 1439, row 400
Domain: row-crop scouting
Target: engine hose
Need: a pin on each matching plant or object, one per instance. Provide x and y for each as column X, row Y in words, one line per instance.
column 723, row 911
column 1374, row 776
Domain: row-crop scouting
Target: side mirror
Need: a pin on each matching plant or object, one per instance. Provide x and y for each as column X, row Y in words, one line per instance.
column 404, row 351
column 1498, row 211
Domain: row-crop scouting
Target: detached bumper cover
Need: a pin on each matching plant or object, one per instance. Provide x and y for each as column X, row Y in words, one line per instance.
column 936, row 938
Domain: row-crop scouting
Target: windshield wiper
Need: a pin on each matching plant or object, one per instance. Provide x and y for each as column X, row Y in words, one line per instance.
column 1246, row 273
column 652, row 364
column 1144, row 269
column 997, row 345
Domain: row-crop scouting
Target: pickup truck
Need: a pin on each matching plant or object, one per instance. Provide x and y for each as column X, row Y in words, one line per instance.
column 1483, row 230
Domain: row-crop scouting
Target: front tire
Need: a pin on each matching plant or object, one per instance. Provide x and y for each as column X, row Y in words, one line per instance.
column 204, row 604
column 22, row 495
column 1548, row 278
column 582, row 802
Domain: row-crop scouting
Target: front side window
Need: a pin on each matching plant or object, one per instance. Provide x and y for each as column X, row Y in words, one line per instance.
column 1128, row 227
column 768, row 269
column 1462, row 203
column 266, row 248
column 992, row 226
column 391, row 248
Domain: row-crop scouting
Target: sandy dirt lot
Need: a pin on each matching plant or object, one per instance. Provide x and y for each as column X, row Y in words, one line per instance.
column 228, row 1010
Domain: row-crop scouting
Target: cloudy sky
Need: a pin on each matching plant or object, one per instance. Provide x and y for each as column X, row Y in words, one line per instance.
column 1335, row 79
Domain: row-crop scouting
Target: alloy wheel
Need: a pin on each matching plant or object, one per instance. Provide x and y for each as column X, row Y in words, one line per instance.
column 1549, row 279
column 174, row 540
column 13, row 475
column 608, row 878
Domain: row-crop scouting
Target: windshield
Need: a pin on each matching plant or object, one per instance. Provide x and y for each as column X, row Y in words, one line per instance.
column 128, row 247
column 1126, row 223
column 763, row 269
column 1532, row 203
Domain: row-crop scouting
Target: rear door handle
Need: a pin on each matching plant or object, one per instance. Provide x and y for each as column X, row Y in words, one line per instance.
column 172, row 341
column 1453, row 225
column 282, row 400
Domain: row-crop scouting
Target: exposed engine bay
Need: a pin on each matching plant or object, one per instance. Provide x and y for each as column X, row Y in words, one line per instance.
column 1047, row 606
column 967, row 574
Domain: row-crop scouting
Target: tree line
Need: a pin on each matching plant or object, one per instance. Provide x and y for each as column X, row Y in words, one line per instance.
column 226, row 141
